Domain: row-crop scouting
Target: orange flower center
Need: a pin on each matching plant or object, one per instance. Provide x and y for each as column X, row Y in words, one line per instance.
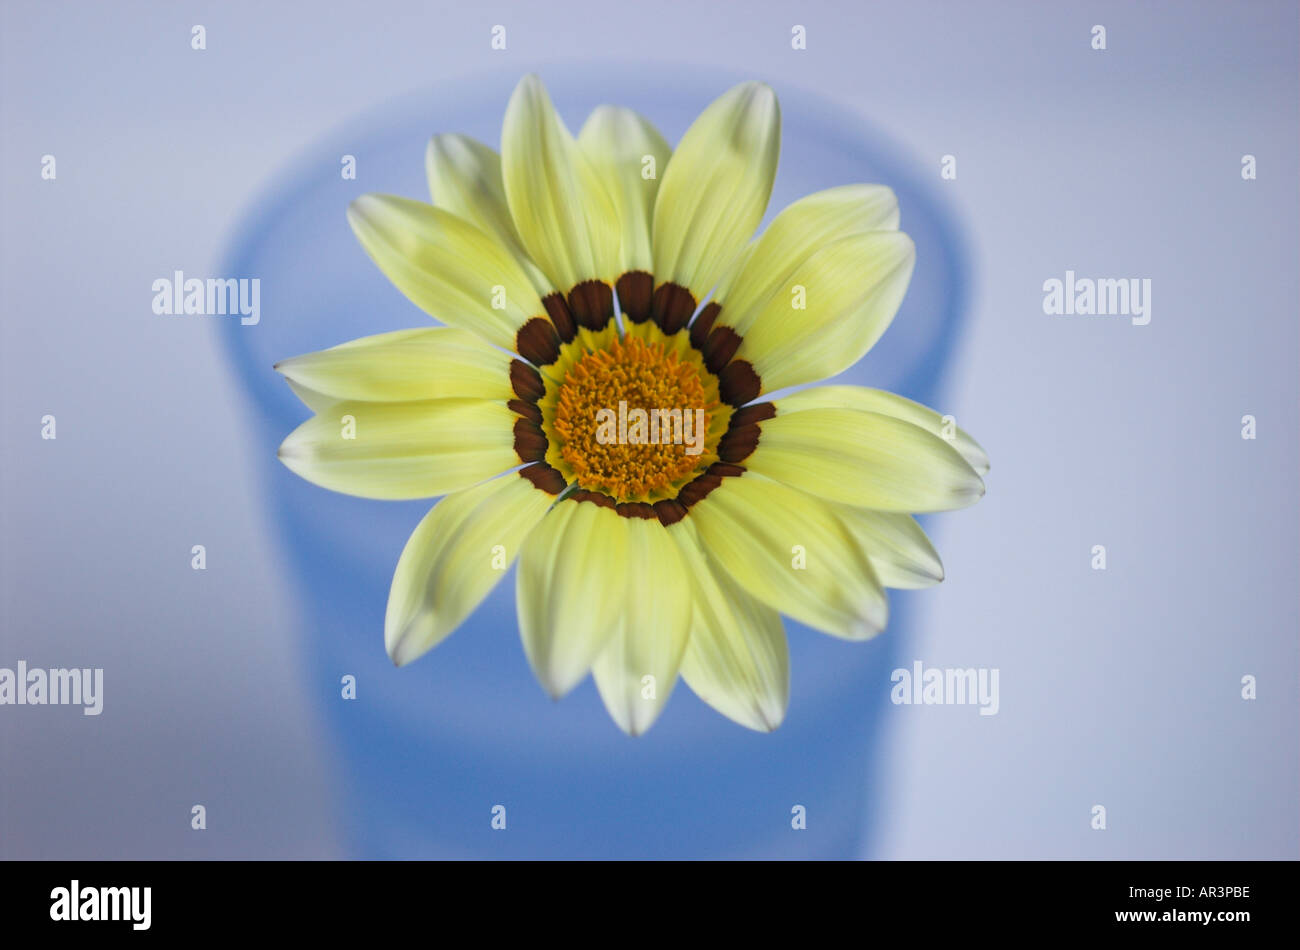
column 633, row 420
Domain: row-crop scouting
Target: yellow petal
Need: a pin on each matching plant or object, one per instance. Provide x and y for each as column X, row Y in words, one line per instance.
column 788, row 550
column 864, row 459
column 636, row 670
column 727, row 282
column 898, row 549
column 618, row 143
column 449, row 268
column 830, row 310
column 313, row 399
column 397, row 450
column 798, row 232
column 465, row 179
column 453, row 560
column 889, row 404
column 737, row 659
column 404, row 366
column 569, row 591
column 716, row 187
column 563, row 215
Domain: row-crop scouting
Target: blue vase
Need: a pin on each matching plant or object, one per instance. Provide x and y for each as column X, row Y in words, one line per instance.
column 424, row 753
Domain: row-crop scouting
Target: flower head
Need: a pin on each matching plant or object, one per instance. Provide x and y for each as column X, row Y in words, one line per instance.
column 595, row 405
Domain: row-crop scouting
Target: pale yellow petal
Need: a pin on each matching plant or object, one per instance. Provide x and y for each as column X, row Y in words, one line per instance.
column 865, row 459
column 716, row 187
column 737, row 659
column 629, row 155
column 313, row 399
column 898, row 549
column 830, row 310
column 564, row 217
column 404, row 366
column 400, row 450
column 569, row 591
column 637, row 669
column 727, row 282
column 465, row 179
column 452, row 270
column 796, row 234
column 788, row 550
column 454, row 558
column 889, row 404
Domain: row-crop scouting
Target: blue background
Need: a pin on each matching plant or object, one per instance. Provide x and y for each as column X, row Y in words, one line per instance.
column 1118, row 687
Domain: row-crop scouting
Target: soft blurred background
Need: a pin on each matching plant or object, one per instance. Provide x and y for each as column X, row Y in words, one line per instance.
column 1119, row 688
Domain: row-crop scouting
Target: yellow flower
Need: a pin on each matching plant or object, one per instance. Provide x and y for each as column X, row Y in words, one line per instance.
column 665, row 514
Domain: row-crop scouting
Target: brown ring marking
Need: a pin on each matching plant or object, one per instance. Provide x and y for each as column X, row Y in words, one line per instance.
column 528, row 410
column 758, row 412
column 700, row 487
column 670, row 511
column 544, row 477
column 636, row 509
column 720, row 347
column 625, row 509
column 592, row 304
column 739, row 443
column 595, row 497
column 560, row 315
column 530, row 441
column 526, row 381
column 738, row 383
column 703, row 324
column 538, row 342
column 635, row 290
column 671, row 307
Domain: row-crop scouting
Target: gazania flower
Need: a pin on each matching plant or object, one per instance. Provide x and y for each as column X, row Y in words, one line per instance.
column 597, row 289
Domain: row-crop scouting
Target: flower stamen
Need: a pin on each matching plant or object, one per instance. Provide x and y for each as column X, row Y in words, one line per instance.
column 672, row 401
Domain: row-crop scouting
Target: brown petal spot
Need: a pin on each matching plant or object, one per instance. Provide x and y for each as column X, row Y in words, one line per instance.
column 526, row 381
column 635, row 288
column 595, row 497
column 672, row 307
column 738, row 383
column 560, row 315
column 670, row 511
column 592, row 303
column 537, row 342
column 544, row 477
column 530, row 442
column 704, row 324
column 723, row 470
column 758, row 412
column 739, row 443
column 636, row 509
column 720, row 348
column 525, row 408
column 698, row 489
